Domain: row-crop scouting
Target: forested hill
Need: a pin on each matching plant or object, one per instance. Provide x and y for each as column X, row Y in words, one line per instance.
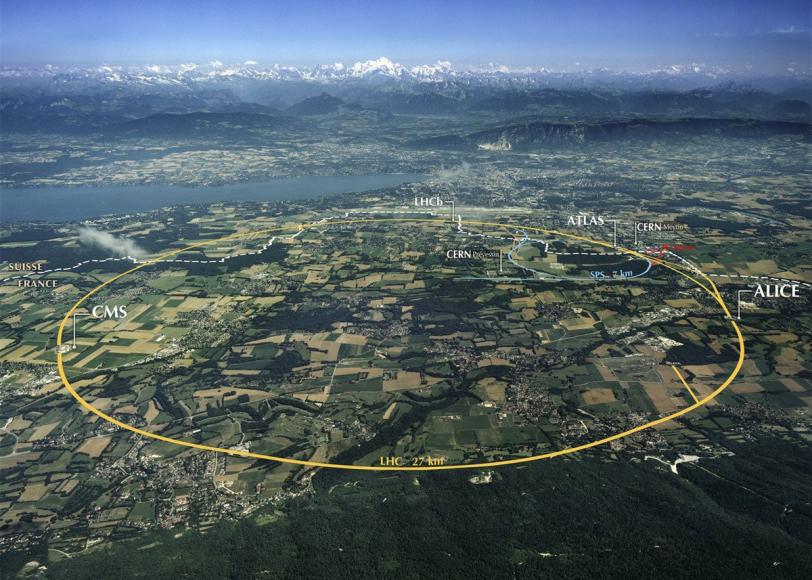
column 736, row 516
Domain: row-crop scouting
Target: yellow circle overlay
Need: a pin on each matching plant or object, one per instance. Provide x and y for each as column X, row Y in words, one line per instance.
column 707, row 285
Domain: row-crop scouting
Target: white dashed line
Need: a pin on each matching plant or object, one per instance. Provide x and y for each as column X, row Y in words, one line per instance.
column 347, row 214
column 137, row 261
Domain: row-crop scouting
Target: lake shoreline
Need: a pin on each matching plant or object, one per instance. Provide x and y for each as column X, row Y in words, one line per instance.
column 65, row 204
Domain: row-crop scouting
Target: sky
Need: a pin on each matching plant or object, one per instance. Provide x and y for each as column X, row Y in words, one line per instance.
column 768, row 36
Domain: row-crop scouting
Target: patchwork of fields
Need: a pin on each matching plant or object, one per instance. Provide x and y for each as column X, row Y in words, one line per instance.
column 353, row 343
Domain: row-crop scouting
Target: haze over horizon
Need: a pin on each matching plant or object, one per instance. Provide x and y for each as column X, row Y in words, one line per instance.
column 629, row 35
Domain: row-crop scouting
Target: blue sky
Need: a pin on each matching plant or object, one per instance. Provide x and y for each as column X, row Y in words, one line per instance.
column 767, row 36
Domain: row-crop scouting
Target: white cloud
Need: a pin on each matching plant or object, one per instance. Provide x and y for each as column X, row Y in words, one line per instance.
column 119, row 246
column 787, row 31
column 790, row 30
column 462, row 170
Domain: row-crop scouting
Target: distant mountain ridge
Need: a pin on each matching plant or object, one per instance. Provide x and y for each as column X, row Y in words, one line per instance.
column 537, row 133
column 180, row 125
column 323, row 104
column 379, row 70
column 75, row 99
column 87, row 100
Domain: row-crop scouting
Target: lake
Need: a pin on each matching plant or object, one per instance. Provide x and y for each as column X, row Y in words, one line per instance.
column 60, row 204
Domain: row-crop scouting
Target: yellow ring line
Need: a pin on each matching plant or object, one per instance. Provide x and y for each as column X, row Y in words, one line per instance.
column 712, row 290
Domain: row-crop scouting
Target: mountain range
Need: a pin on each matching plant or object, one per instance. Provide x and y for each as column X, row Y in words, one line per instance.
column 382, row 70
column 535, row 133
column 234, row 100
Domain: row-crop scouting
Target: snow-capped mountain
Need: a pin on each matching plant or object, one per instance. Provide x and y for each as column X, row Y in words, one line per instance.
column 380, row 69
column 257, row 82
column 382, row 66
